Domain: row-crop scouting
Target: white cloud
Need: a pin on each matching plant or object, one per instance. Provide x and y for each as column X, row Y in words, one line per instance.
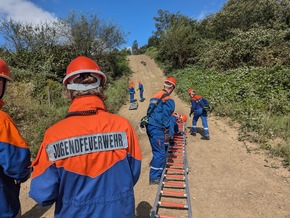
column 202, row 15
column 24, row 11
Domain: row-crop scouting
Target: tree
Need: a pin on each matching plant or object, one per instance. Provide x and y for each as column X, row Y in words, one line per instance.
column 135, row 47
column 91, row 36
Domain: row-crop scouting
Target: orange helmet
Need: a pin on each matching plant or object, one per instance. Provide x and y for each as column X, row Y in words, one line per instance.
column 170, row 80
column 4, row 70
column 81, row 65
column 190, row 90
column 183, row 118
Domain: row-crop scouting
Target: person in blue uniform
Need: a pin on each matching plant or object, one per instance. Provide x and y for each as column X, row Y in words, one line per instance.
column 158, row 128
column 14, row 156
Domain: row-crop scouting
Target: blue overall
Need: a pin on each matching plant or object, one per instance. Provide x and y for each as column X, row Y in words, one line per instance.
column 198, row 112
column 159, row 127
column 131, row 92
column 141, row 90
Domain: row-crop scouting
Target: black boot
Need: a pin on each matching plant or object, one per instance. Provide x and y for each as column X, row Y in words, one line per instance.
column 205, row 137
column 193, row 133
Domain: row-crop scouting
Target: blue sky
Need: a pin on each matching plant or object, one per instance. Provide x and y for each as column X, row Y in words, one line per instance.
column 134, row 16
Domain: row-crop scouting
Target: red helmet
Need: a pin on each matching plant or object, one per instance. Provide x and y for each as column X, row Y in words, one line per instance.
column 4, row 70
column 183, row 118
column 190, row 90
column 81, row 65
column 171, row 80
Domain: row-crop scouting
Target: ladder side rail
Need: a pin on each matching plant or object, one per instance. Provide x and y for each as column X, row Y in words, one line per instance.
column 158, row 195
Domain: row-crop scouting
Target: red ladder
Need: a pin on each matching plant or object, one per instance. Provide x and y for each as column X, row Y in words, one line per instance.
column 173, row 195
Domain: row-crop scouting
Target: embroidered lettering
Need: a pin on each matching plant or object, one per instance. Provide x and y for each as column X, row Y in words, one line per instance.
column 86, row 144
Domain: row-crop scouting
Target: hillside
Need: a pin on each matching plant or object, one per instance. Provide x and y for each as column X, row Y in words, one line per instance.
column 228, row 178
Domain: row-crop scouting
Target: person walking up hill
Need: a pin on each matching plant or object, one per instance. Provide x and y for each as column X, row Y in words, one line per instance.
column 198, row 103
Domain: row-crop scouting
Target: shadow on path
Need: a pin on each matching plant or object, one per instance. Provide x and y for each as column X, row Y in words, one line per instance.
column 143, row 210
column 36, row 212
column 199, row 130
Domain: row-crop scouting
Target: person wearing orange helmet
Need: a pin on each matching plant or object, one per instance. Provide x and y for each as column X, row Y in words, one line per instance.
column 177, row 119
column 14, row 156
column 160, row 109
column 197, row 108
column 141, row 90
column 131, row 91
column 183, row 118
column 89, row 162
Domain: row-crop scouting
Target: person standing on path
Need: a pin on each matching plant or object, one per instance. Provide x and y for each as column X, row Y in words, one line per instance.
column 158, row 128
column 197, row 104
column 131, row 91
column 89, row 162
column 141, row 90
column 14, row 156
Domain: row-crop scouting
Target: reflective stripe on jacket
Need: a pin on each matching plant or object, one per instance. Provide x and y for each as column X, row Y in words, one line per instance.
column 88, row 165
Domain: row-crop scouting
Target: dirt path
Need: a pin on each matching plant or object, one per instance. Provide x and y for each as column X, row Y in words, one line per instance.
column 228, row 178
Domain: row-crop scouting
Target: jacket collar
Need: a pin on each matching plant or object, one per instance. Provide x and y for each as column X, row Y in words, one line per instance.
column 87, row 102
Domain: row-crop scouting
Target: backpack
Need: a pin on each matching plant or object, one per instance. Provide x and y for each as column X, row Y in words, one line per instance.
column 203, row 102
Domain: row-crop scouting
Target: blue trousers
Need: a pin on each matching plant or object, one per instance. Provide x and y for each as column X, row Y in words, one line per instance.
column 156, row 138
column 131, row 97
column 200, row 113
column 141, row 96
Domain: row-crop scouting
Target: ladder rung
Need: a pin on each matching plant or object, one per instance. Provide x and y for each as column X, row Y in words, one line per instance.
column 175, row 155
column 176, row 151
column 175, row 164
column 167, row 216
column 174, row 193
column 175, row 170
column 175, row 158
column 172, row 204
column 177, row 146
column 176, row 184
column 174, row 176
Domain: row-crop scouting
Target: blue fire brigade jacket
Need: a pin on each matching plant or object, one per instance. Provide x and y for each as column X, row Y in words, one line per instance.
column 88, row 165
column 14, row 165
column 162, row 113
